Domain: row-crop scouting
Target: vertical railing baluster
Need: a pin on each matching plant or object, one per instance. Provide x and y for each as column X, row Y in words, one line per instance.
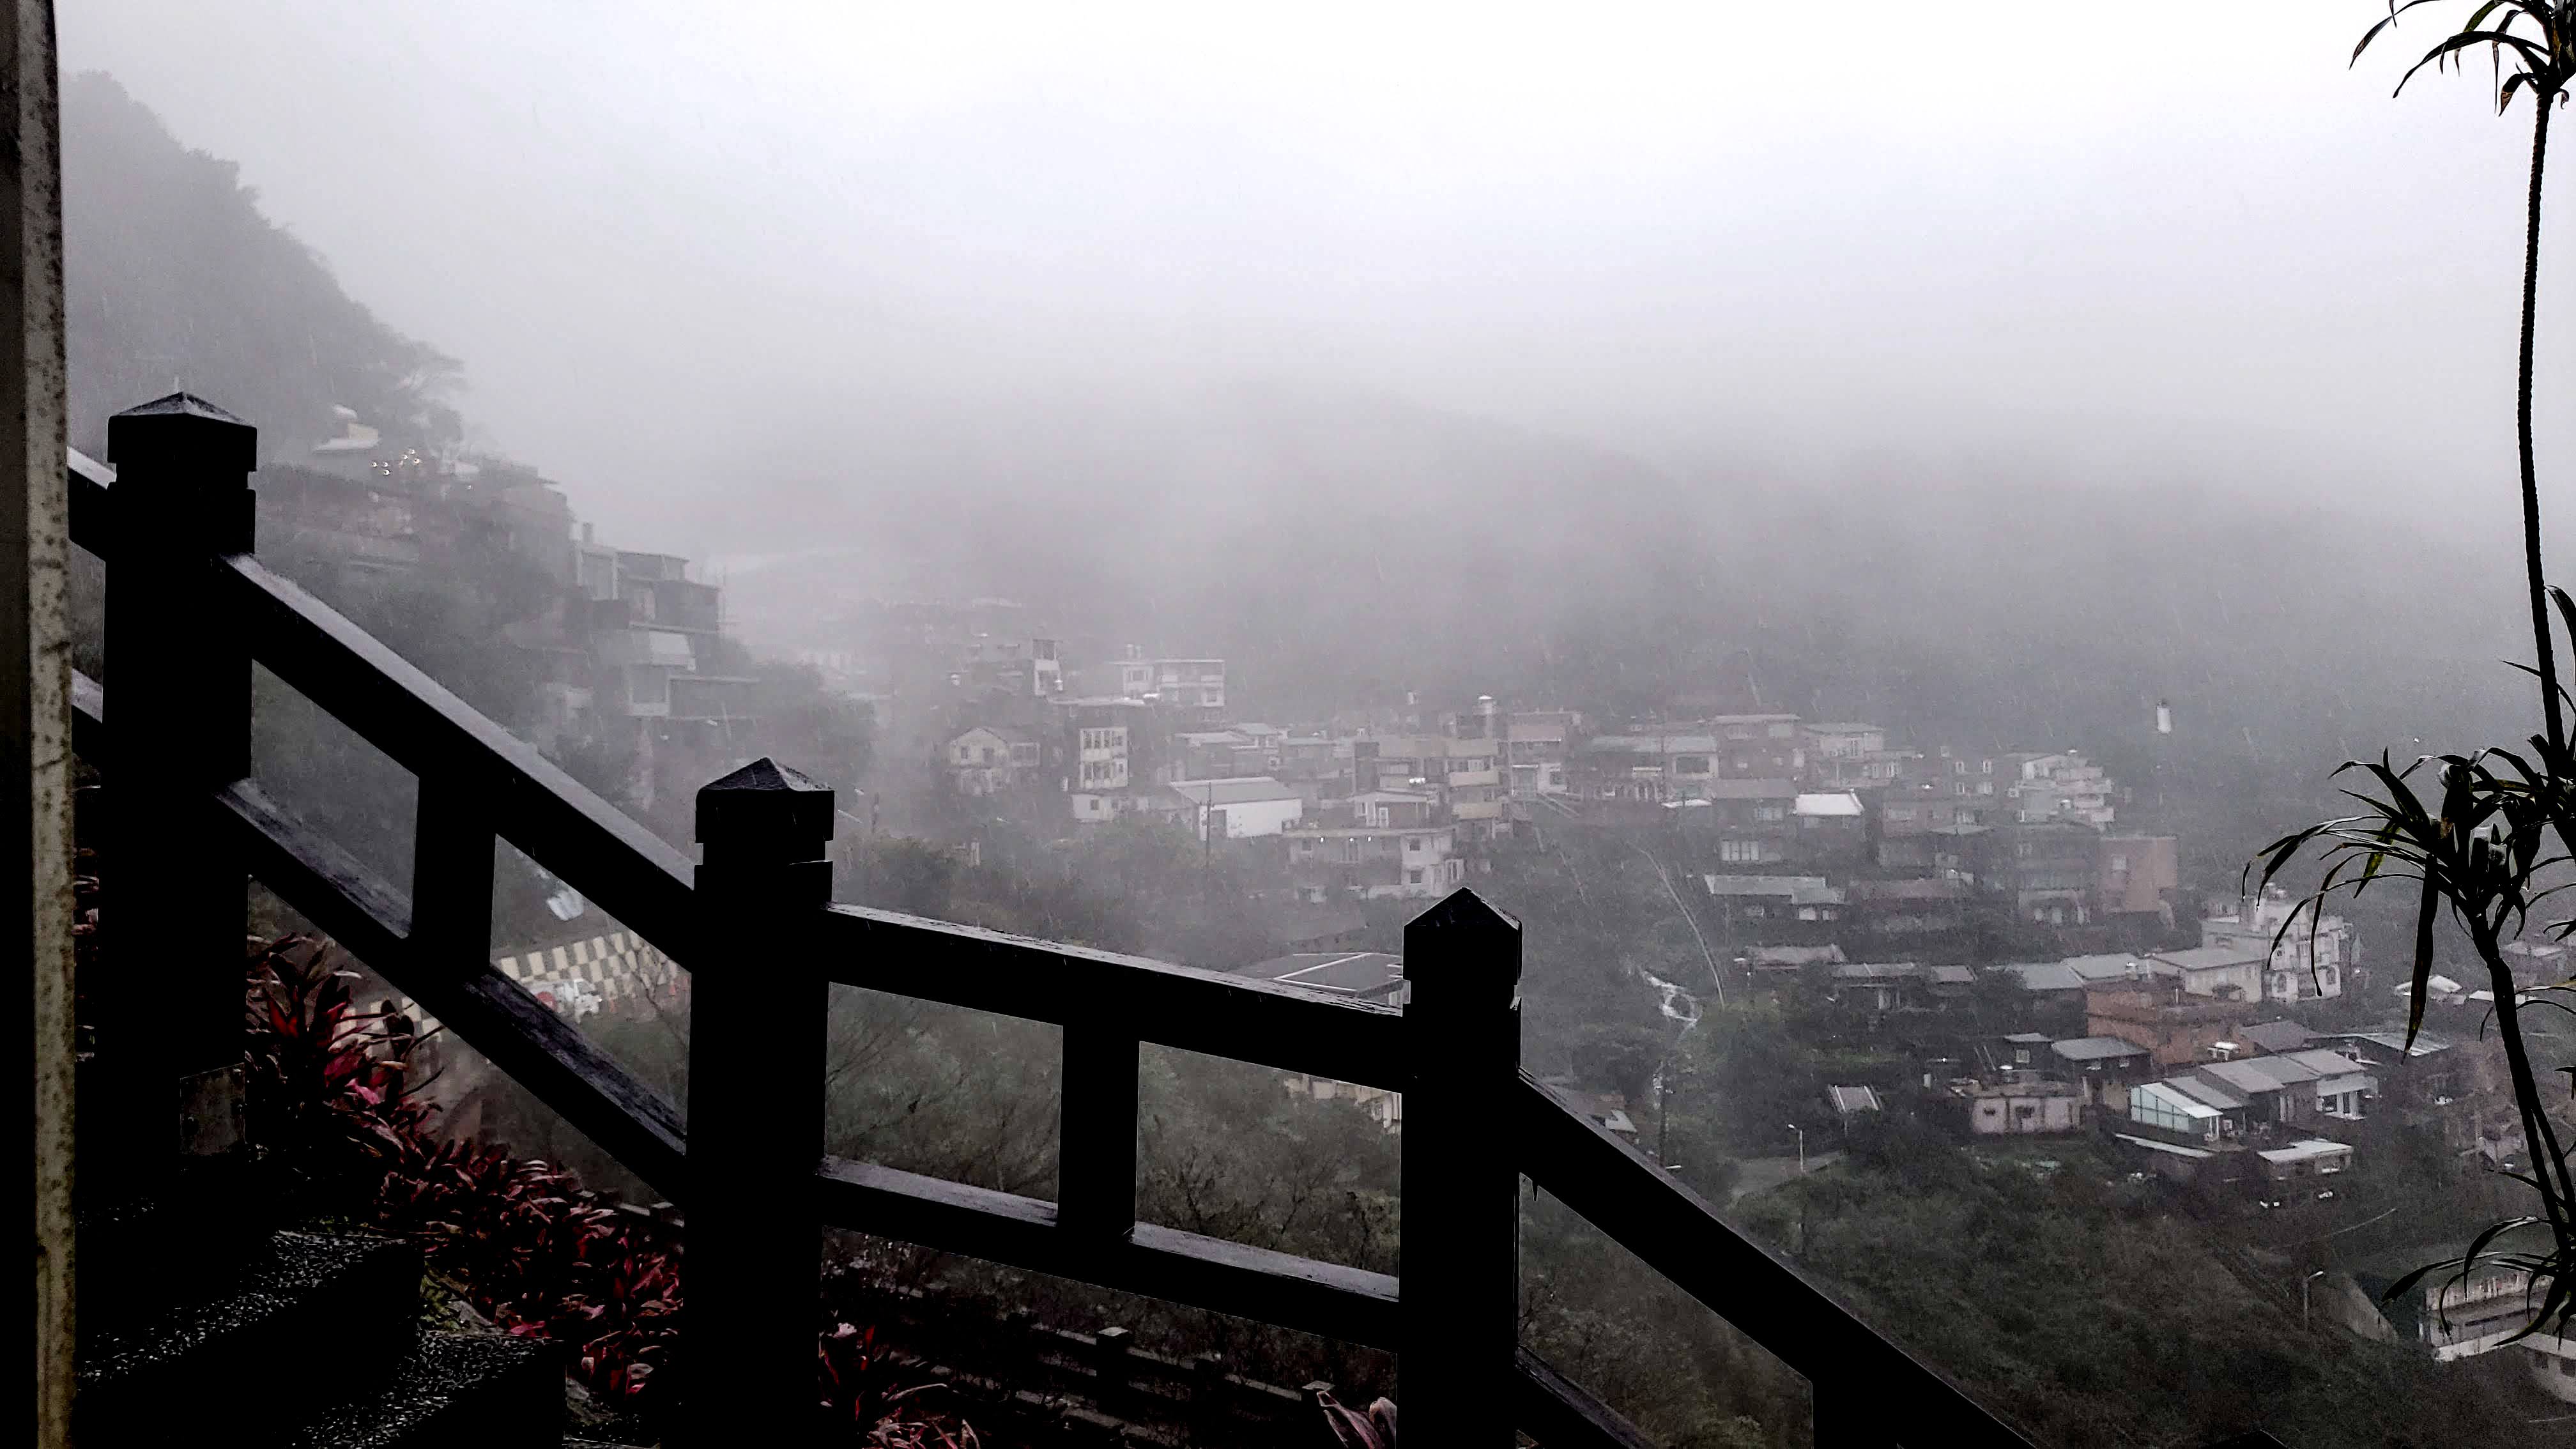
column 451, row 878
column 181, row 731
column 757, row 1028
column 1459, row 1310
column 1850, row 1413
column 1096, row 1146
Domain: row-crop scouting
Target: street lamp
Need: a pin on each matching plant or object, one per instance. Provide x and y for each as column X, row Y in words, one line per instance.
column 1802, row 1147
column 2303, row 1295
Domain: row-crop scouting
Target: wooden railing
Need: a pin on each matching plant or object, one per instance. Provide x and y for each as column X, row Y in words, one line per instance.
column 191, row 608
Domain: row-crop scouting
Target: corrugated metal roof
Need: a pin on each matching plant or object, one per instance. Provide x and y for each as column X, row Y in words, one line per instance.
column 1650, row 745
column 2047, row 975
column 2113, row 967
column 2282, row 1037
column 1853, row 1099
column 1877, row 971
column 1769, row 885
column 1752, row 790
column 2260, row 1074
column 1350, row 973
column 2153, row 1145
column 2166, row 1094
column 1238, row 790
column 2210, row 958
column 1792, row 955
column 2096, row 1049
column 2209, row 1091
column 2306, row 1149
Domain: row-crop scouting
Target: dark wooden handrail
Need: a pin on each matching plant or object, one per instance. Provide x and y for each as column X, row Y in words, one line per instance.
column 480, row 783
column 1210, row 1012
column 1676, row 1232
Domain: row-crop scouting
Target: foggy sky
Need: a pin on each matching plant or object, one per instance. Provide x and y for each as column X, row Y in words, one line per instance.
column 696, row 264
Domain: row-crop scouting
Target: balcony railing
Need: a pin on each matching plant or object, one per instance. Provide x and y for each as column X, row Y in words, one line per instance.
column 198, row 609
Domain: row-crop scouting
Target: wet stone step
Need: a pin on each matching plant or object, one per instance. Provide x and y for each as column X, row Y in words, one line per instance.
column 455, row 1391
column 321, row 1320
column 191, row 1237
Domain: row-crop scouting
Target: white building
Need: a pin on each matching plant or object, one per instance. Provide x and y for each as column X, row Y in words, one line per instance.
column 985, row 760
column 1844, row 741
column 2308, row 964
column 1534, row 746
column 2061, row 787
column 1240, row 808
column 2224, row 972
column 1199, row 683
column 1340, row 862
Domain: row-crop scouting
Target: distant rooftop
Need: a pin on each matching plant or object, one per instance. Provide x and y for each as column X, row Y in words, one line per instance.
column 1233, row 790
column 1848, row 1100
column 1344, row 973
column 2096, row 1049
column 2208, row 958
column 2277, row 1036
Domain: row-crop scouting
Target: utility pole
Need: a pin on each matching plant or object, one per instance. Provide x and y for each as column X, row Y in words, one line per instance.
column 1802, row 1147
column 1663, row 1113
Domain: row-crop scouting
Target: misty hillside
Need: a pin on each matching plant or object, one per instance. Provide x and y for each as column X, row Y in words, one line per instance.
column 1340, row 547
column 1350, row 547
column 174, row 279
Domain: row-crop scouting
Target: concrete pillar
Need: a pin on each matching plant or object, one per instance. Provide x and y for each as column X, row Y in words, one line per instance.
column 35, row 670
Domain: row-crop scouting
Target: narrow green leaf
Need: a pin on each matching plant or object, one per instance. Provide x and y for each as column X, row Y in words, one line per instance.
column 2425, row 914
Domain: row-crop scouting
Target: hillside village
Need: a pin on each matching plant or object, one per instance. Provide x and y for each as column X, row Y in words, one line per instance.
column 2026, row 963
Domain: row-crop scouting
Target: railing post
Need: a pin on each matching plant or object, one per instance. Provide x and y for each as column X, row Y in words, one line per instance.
column 451, row 877
column 1850, row 1415
column 1096, row 1157
column 755, row 1115
column 1459, row 1309
column 182, row 500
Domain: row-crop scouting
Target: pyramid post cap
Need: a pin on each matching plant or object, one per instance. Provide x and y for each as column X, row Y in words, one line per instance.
column 761, row 775
column 765, row 805
column 182, row 421
column 1457, row 938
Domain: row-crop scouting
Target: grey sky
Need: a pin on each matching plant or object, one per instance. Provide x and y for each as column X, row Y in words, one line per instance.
column 672, row 241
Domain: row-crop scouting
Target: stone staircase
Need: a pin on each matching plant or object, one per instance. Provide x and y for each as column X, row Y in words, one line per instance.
column 201, row 1323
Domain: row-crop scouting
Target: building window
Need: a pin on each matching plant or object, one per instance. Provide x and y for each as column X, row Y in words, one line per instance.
column 1413, row 877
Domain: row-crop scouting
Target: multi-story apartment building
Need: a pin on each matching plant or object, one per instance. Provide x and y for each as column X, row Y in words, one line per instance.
column 1842, row 741
column 2063, row 786
column 1191, row 684
column 1331, row 862
column 1535, row 747
column 2140, row 876
column 1759, row 746
column 1647, row 768
column 1021, row 668
column 2308, row 963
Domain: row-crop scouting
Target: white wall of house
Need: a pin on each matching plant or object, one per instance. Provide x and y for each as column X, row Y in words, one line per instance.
column 1250, row 819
